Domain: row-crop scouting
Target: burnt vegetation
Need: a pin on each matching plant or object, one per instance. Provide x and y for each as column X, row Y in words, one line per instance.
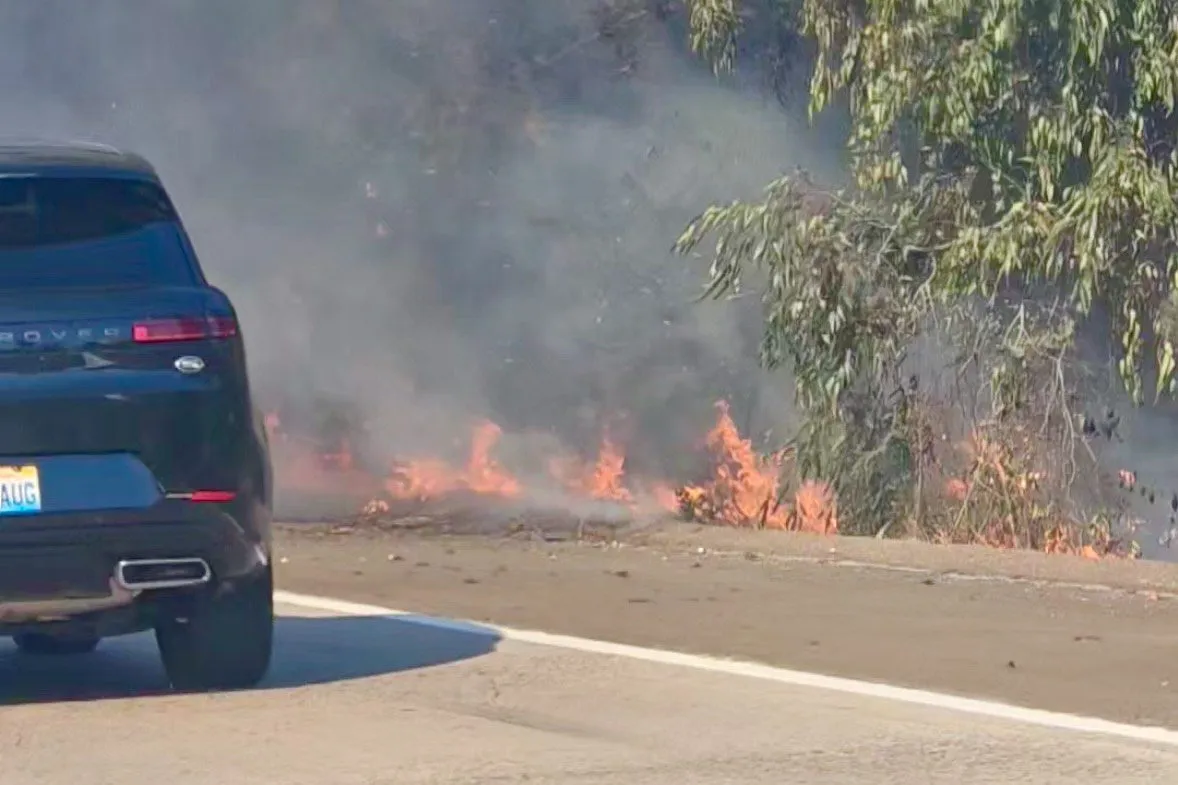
column 948, row 316
column 1010, row 215
column 930, row 312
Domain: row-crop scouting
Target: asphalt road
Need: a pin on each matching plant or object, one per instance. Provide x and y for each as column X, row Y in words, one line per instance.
column 938, row 618
column 369, row 699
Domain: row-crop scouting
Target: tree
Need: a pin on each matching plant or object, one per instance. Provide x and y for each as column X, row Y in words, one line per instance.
column 999, row 149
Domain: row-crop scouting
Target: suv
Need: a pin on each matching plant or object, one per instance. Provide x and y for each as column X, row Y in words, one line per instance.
column 135, row 478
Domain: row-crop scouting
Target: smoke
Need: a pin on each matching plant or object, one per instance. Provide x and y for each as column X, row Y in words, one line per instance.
column 438, row 210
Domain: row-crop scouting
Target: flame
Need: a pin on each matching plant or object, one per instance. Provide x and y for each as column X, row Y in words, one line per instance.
column 425, row 478
column 604, row 480
column 742, row 491
column 744, row 488
column 665, row 497
column 998, row 469
column 483, row 474
column 816, row 509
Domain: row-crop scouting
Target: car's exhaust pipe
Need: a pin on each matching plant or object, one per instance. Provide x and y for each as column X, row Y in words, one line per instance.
column 143, row 574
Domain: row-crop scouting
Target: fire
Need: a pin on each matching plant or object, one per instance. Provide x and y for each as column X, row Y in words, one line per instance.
column 1002, row 481
column 482, row 474
column 665, row 497
column 815, row 509
column 745, row 488
column 742, row 491
column 604, row 480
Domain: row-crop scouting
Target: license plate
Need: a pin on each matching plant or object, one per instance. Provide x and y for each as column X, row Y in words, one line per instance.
column 20, row 490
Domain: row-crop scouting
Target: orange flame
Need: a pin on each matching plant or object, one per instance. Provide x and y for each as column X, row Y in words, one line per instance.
column 483, row 474
column 815, row 509
column 604, row 480
column 665, row 497
column 744, row 489
column 998, row 468
column 425, row 478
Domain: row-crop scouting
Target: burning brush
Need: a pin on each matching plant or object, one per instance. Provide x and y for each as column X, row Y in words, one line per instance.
column 743, row 489
column 316, row 447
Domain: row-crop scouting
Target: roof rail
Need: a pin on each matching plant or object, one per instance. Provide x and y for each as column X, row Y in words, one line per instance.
column 77, row 144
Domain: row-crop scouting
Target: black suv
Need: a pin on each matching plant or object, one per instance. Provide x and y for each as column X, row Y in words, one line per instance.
column 135, row 478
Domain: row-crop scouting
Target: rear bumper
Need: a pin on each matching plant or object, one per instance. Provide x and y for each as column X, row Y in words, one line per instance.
column 74, row 556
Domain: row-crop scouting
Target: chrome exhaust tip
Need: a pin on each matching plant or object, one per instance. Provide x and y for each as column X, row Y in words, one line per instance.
column 146, row 574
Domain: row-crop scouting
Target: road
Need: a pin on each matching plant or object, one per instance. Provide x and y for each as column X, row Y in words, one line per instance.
column 364, row 699
column 927, row 617
column 358, row 696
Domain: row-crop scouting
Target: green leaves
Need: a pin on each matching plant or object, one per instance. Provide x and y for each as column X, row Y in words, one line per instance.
column 843, row 295
column 1027, row 148
column 1045, row 133
column 715, row 25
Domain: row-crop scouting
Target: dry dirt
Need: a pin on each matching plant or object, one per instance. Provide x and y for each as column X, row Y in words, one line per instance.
column 1051, row 632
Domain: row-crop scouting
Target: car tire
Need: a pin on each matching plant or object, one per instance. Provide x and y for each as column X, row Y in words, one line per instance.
column 41, row 645
column 225, row 642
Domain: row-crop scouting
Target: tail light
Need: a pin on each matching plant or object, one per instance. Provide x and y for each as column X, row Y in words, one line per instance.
column 203, row 497
column 197, row 328
column 213, row 497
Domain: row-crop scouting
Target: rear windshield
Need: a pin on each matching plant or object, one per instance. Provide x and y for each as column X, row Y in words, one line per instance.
column 64, row 232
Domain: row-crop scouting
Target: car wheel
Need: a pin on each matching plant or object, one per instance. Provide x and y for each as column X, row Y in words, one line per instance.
column 39, row 644
column 225, row 642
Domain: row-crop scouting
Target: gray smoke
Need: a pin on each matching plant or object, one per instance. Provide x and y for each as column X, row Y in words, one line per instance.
column 444, row 210
column 436, row 210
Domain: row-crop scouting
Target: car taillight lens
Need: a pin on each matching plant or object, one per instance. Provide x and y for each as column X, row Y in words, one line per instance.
column 213, row 497
column 184, row 329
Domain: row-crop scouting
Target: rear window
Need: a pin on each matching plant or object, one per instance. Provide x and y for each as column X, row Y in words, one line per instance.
column 64, row 232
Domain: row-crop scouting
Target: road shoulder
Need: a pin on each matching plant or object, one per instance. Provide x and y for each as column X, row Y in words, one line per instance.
column 1050, row 632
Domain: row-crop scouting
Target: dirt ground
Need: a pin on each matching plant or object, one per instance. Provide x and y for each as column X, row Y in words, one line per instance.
column 1052, row 632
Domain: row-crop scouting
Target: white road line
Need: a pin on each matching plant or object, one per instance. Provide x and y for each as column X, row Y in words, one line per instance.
column 867, row 689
